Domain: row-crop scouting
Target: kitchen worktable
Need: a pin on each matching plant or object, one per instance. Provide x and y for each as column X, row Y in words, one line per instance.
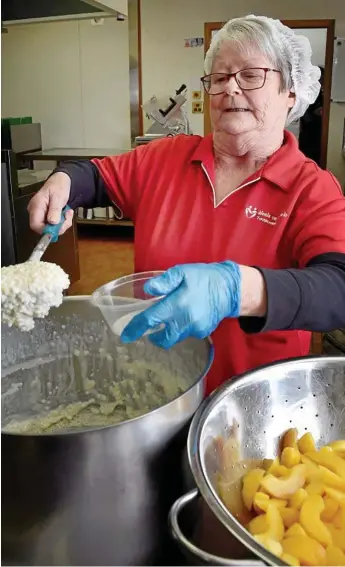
column 63, row 154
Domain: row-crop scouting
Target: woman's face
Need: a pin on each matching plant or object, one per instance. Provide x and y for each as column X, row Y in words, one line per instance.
column 237, row 111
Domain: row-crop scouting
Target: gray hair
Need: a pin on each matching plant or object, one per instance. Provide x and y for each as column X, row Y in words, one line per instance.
column 288, row 53
column 250, row 34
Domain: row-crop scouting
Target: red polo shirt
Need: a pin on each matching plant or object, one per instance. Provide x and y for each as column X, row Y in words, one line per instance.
column 283, row 215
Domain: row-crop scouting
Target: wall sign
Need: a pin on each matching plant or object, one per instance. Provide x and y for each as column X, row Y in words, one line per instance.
column 194, row 42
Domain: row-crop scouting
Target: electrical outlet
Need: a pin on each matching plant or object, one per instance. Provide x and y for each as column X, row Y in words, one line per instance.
column 197, row 107
column 196, row 95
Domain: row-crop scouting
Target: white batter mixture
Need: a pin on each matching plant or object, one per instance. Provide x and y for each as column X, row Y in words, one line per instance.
column 30, row 290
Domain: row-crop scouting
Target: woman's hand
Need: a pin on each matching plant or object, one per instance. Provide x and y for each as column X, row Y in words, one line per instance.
column 197, row 298
column 47, row 204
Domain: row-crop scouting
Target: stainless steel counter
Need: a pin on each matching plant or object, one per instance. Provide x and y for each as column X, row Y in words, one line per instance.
column 63, row 154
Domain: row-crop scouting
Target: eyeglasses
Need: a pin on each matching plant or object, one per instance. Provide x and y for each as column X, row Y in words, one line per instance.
column 247, row 79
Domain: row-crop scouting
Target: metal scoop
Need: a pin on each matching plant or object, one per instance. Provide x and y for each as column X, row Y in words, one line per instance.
column 50, row 234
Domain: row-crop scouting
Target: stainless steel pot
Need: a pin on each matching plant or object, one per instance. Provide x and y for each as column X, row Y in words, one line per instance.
column 101, row 496
column 253, row 412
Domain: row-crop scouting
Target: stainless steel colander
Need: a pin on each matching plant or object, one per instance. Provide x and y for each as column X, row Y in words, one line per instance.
column 253, row 412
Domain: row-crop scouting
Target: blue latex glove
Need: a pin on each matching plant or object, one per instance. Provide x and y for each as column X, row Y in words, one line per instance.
column 197, row 298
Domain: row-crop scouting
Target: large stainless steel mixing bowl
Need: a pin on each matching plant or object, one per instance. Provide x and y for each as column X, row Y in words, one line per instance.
column 254, row 411
column 102, row 496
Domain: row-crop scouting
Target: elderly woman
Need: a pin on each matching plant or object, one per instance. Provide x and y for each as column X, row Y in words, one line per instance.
column 250, row 232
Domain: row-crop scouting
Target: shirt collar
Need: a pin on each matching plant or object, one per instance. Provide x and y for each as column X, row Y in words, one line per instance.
column 282, row 168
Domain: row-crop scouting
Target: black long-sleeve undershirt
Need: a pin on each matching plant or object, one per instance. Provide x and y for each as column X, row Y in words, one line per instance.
column 87, row 186
column 312, row 298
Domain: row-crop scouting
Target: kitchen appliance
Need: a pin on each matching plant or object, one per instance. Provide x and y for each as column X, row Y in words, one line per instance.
column 168, row 117
column 21, row 137
column 255, row 410
column 98, row 496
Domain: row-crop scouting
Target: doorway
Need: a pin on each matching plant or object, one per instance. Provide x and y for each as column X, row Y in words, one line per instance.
column 312, row 129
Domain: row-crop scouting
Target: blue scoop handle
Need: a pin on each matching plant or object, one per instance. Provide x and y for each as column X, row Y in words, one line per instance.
column 53, row 229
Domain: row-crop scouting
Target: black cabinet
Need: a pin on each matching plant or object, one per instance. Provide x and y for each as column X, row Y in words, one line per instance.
column 17, row 239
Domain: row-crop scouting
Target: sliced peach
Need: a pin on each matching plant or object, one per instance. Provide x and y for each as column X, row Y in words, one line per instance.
column 290, row 457
column 258, row 525
column 306, row 443
column 290, row 560
column 323, row 474
column 286, row 486
column 331, row 479
column 269, row 525
column 307, row 550
column 282, row 470
column 298, row 498
column 277, row 502
column 334, row 555
column 337, row 495
column 290, row 438
column 338, row 446
column 329, row 459
column 311, row 522
column 315, row 487
column 311, row 467
column 251, row 483
column 338, row 536
column 275, row 523
column 270, row 544
column 295, row 530
column 231, row 495
column 262, row 501
column 289, row 516
column 330, row 509
column 338, row 519
column 273, row 467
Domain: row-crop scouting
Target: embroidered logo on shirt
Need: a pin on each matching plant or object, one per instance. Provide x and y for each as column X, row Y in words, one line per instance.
column 263, row 216
column 251, row 212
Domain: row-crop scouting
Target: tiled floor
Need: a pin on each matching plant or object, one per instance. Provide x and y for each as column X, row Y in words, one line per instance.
column 104, row 256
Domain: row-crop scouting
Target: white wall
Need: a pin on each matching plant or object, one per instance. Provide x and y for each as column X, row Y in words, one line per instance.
column 66, row 75
column 73, row 78
column 166, row 63
column 317, row 38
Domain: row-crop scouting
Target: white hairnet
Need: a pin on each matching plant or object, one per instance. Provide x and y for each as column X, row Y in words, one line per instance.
column 289, row 49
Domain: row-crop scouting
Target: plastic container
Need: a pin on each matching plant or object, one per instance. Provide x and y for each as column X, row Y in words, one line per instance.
column 120, row 300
